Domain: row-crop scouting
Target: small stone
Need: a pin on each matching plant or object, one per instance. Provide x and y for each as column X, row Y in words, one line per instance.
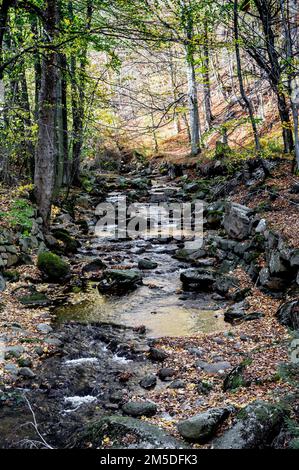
column 177, row 384
column 166, row 373
column 26, row 373
column 11, row 368
column 148, row 382
column 157, row 355
column 44, row 328
column 196, row 351
column 139, row 408
column 147, row 264
column 54, row 342
column 14, row 351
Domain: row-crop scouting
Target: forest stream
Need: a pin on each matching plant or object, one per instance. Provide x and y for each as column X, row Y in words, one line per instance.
column 104, row 336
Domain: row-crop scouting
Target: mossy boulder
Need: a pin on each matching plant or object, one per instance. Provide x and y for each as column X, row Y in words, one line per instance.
column 256, row 427
column 117, row 428
column 69, row 243
column 52, row 266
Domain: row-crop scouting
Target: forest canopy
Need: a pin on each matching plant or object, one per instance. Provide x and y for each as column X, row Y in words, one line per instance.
column 86, row 79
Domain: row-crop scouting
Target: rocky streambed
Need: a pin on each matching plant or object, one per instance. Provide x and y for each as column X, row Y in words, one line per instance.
column 143, row 336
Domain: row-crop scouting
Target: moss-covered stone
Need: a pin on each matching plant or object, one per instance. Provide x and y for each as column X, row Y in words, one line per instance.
column 117, row 428
column 52, row 266
column 70, row 244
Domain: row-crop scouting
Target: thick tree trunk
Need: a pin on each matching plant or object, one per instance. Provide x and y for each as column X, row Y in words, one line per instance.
column 245, row 98
column 45, row 148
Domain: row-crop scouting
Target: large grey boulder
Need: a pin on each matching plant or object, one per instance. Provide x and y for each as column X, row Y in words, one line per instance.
column 288, row 314
column 117, row 428
column 256, row 427
column 237, row 221
column 202, row 427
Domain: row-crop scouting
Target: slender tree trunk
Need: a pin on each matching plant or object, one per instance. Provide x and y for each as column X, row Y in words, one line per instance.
column 37, row 67
column 206, row 74
column 245, row 98
column 28, row 144
column 78, row 84
column 290, row 17
column 193, row 106
column 45, row 148
column 175, row 96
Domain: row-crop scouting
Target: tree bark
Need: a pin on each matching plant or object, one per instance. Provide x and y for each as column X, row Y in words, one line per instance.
column 245, row 98
column 45, row 148
column 206, row 74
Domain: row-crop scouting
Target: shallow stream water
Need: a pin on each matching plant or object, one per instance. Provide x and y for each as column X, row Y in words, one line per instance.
column 159, row 304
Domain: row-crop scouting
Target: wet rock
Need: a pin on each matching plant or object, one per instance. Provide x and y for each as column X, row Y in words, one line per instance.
column 188, row 254
column 148, row 382
column 117, row 428
column 139, row 408
column 198, row 279
column 237, row 221
column 157, row 355
column 27, row 373
column 288, row 314
column 256, row 427
column 119, row 281
column 201, row 427
column 166, row 374
column 147, row 264
column 93, row 270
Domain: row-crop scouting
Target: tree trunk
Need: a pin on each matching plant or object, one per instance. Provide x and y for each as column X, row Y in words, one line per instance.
column 290, row 28
column 193, row 106
column 45, row 148
column 245, row 98
column 206, row 74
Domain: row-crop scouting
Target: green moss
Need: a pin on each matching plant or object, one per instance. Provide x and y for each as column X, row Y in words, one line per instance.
column 12, row 276
column 69, row 242
column 52, row 266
